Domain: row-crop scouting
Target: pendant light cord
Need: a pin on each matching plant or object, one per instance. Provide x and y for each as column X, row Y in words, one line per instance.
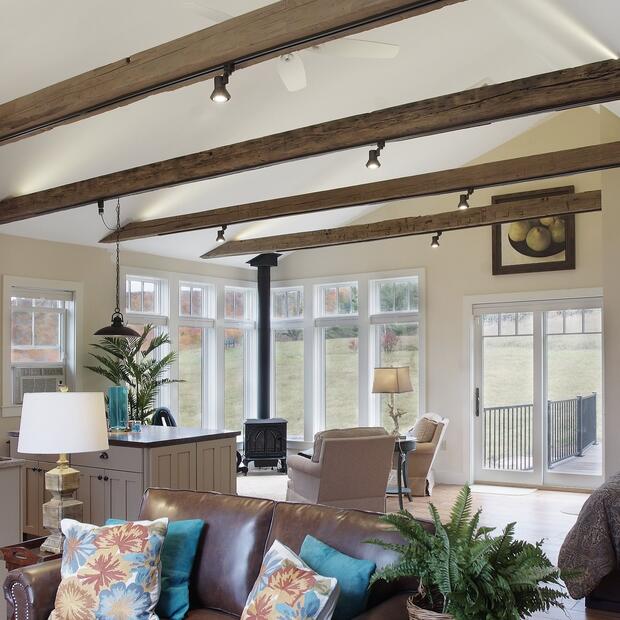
column 117, row 229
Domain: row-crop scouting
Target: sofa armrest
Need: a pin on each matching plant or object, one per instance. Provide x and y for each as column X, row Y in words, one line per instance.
column 304, row 465
column 394, row 608
column 30, row 592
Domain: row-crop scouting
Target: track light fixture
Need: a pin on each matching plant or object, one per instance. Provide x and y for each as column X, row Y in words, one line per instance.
column 435, row 241
column 373, row 156
column 220, row 235
column 464, row 199
column 220, row 93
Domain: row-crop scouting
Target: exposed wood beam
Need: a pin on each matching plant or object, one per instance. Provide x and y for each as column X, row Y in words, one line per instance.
column 533, row 167
column 245, row 40
column 589, row 84
column 418, row 225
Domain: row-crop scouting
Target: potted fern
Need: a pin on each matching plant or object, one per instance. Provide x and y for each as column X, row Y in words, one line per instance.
column 467, row 573
column 134, row 362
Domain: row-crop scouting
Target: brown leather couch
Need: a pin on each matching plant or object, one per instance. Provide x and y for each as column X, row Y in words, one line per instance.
column 238, row 532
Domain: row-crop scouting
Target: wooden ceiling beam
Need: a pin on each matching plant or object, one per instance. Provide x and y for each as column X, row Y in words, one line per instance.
column 594, row 83
column 242, row 41
column 528, row 168
column 419, row 225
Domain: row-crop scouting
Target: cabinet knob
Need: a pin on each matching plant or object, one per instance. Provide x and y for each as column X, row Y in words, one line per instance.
column 99, row 477
column 39, row 470
column 105, row 478
column 34, row 468
column 104, row 455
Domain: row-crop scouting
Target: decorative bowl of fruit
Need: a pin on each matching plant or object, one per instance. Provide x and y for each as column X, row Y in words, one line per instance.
column 538, row 238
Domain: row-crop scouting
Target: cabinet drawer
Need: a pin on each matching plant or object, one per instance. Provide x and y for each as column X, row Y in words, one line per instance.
column 118, row 458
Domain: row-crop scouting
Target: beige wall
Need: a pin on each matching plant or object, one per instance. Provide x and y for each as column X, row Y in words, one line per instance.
column 462, row 267
column 94, row 268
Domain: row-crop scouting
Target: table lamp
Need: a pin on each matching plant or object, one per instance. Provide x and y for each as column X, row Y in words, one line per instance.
column 62, row 423
column 392, row 380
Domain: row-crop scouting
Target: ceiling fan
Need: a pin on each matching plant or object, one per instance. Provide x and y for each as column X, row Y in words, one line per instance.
column 291, row 68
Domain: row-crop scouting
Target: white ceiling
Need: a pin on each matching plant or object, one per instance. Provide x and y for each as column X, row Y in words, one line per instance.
column 42, row 42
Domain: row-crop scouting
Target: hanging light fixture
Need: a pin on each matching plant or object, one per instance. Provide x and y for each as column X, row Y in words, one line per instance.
column 464, row 200
column 435, row 240
column 117, row 327
column 373, row 156
column 220, row 235
column 220, row 93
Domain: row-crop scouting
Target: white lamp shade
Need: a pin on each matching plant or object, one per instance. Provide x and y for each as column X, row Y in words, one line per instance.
column 69, row 422
column 395, row 380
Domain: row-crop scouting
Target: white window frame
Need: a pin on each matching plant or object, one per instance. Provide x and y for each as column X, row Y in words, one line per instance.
column 314, row 412
column 74, row 333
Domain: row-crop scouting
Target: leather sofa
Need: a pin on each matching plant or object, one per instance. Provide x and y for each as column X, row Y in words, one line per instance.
column 238, row 532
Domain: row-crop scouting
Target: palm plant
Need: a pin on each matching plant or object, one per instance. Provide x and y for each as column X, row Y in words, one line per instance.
column 131, row 362
column 465, row 571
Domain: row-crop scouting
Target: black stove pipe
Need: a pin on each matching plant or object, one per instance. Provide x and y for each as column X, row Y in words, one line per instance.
column 264, row 263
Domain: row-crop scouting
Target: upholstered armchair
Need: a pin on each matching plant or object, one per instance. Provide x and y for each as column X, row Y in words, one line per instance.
column 349, row 469
column 429, row 432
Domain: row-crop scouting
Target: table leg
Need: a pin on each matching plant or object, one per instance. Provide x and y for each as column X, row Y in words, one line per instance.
column 399, row 476
column 406, row 475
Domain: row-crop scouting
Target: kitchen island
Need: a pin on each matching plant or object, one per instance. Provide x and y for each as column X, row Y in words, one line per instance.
column 112, row 482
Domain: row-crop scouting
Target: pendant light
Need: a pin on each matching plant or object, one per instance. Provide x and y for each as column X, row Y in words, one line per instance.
column 117, row 327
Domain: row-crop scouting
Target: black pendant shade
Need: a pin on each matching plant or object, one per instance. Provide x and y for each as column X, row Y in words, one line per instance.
column 117, row 327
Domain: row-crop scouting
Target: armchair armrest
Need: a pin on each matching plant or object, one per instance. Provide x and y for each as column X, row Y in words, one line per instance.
column 30, row 592
column 394, row 608
column 304, row 465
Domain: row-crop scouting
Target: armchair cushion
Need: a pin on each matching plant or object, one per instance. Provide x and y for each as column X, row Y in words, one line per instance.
column 342, row 433
column 424, row 430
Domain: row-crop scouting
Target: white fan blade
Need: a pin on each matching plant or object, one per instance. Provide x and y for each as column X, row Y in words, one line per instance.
column 210, row 13
column 292, row 72
column 356, row 48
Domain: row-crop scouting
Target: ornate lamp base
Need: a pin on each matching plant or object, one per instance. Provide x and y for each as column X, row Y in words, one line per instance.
column 61, row 482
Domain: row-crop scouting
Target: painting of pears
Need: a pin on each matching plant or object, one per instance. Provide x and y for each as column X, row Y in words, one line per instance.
column 538, row 238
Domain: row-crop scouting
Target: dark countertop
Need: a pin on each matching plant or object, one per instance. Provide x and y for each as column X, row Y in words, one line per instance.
column 154, row 436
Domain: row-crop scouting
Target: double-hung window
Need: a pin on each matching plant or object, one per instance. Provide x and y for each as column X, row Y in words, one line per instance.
column 41, row 333
column 395, row 340
column 337, row 338
column 239, row 355
column 287, row 314
column 196, row 338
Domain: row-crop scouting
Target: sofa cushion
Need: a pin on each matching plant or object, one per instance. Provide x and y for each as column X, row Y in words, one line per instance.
column 231, row 548
column 424, row 430
column 344, row 530
column 288, row 588
column 341, row 433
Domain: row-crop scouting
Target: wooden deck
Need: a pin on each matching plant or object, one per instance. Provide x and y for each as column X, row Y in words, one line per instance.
column 591, row 463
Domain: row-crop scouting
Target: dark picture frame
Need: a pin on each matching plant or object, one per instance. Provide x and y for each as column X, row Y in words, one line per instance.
column 499, row 231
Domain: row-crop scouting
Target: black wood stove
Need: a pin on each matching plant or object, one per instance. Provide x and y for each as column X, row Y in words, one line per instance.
column 264, row 437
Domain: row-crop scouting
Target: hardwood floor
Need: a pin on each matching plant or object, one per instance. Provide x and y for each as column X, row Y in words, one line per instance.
column 539, row 514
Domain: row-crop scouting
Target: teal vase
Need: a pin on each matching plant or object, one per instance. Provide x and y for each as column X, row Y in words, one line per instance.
column 118, row 404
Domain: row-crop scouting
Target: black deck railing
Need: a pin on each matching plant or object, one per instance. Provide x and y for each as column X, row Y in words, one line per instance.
column 508, row 432
column 571, row 427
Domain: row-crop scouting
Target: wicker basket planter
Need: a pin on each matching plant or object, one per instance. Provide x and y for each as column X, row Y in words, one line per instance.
column 417, row 613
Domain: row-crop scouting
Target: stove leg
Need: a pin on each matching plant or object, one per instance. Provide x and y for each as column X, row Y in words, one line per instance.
column 283, row 466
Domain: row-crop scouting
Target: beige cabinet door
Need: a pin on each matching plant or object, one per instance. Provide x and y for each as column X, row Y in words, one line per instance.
column 123, row 494
column 92, row 492
column 216, row 463
column 31, row 498
column 173, row 467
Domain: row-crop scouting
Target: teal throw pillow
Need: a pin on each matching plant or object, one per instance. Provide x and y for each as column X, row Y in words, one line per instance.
column 177, row 559
column 353, row 575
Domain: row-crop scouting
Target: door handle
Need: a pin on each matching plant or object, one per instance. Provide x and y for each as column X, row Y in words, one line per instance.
column 477, row 402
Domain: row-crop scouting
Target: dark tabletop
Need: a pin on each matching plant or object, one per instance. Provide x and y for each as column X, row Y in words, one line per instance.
column 153, row 436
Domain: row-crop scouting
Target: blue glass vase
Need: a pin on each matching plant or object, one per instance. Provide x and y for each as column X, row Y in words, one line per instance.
column 118, row 405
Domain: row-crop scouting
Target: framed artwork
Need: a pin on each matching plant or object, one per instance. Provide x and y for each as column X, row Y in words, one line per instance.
column 530, row 246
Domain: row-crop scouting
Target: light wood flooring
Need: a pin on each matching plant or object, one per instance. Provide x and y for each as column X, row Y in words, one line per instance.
column 539, row 515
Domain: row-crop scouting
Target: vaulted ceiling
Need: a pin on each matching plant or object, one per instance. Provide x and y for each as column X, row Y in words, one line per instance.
column 478, row 41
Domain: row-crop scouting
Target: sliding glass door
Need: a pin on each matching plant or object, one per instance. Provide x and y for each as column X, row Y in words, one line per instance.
column 537, row 393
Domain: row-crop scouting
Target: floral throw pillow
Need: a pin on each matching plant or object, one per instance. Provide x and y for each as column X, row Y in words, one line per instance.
column 287, row 589
column 110, row 572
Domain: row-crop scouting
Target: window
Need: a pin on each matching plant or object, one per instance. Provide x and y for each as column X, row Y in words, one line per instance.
column 195, row 351
column 144, row 295
column 41, row 331
column 394, row 305
column 338, row 299
column 239, row 354
column 287, row 309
